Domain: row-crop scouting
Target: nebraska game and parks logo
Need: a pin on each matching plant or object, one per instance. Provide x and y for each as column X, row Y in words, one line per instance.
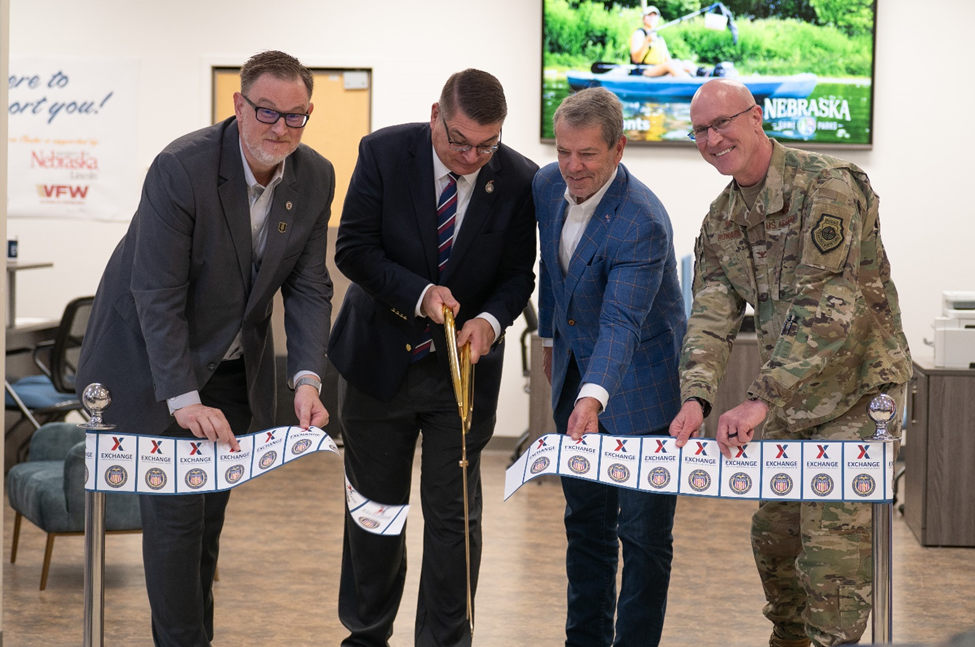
column 740, row 483
column 864, row 485
column 267, row 460
column 156, row 478
column 366, row 522
column 579, row 464
column 821, row 484
column 699, row 480
column 301, row 446
column 195, row 478
column 540, row 464
column 234, row 473
column 658, row 478
column 618, row 472
column 781, row 484
column 116, row 476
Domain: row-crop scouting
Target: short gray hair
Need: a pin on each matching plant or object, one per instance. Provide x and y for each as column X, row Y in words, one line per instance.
column 593, row 107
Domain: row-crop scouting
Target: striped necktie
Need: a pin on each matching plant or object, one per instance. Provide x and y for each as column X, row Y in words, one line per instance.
column 446, row 217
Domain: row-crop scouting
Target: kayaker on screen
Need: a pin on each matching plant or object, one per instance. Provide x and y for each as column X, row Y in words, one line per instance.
column 649, row 48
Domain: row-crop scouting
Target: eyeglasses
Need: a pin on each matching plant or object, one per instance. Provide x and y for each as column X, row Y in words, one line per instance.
column 463, row 148
column 268, row 116
column 718, row 125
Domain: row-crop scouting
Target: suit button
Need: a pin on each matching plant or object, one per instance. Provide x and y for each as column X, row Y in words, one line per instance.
column 763, row 297
column 211, row 366
column 572, row 322
column 409, row 348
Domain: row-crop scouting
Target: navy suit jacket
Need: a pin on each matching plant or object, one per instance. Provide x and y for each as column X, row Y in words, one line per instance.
column 179, row 287
column 387, row 246
column 619, row 308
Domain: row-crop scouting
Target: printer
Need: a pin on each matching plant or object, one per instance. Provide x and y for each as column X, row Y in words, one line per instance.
column 954, row 333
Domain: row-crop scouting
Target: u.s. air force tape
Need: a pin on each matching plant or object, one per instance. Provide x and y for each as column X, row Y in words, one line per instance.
column 117, row 462
column 791, row 470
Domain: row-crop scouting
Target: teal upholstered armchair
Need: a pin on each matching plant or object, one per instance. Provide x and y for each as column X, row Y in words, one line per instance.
column 49, row 490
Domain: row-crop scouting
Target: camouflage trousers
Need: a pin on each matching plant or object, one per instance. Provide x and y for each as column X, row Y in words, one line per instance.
column 814, row 559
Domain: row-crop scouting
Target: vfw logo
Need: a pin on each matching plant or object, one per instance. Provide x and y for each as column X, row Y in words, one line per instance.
column 62, row 191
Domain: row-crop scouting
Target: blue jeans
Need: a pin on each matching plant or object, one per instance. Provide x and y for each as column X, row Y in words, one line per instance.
column 597, row 519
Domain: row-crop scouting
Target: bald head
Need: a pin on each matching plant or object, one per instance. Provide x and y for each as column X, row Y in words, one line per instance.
column 727, row 124
column 727, row 92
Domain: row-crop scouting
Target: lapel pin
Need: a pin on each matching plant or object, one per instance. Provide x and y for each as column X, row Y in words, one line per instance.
column 288, row 205
column 489, row 187
column 282, row 227
column 606, row 217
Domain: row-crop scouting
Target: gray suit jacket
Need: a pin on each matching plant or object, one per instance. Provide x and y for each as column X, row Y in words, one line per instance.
column 179, row 286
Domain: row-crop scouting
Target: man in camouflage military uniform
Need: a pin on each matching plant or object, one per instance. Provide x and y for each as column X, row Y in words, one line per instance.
column 796, row 236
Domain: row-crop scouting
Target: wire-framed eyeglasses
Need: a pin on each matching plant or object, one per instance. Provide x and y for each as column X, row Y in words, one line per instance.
column 719, row 126
column 268, row 116
column 463, row 148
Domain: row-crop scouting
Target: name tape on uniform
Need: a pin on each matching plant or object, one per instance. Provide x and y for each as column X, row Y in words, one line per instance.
column 117, row 462
column 790, row 470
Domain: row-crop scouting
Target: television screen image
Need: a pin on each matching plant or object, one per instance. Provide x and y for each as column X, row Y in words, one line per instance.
column 809, row 63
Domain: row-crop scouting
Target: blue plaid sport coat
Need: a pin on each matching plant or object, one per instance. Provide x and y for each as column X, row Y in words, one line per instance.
column 619, row 308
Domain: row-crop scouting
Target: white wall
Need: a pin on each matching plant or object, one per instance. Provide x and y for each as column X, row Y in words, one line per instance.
column 920, row 162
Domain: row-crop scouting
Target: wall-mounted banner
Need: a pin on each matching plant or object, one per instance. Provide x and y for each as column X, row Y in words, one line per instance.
column 72, row 126
column 791, row 470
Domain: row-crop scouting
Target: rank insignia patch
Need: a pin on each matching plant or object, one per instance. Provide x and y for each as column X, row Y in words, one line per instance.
column 828, row 233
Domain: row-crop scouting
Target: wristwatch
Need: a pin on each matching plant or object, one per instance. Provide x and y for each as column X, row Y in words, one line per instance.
column 310, row 380
column 705, row 405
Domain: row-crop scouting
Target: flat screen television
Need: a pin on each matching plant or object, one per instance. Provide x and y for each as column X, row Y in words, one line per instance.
column 809, row 63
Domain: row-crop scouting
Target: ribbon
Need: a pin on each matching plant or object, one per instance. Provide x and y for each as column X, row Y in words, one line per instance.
column 790, row 470
column 117, row 462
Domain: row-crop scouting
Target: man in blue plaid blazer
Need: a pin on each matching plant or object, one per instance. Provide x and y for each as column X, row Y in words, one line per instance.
column 612, row 314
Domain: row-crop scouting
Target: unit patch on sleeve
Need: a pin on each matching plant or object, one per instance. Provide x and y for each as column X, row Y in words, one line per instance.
column 828, row 233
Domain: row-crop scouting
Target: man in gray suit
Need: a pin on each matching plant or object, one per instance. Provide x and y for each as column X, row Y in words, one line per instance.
column 180, row 331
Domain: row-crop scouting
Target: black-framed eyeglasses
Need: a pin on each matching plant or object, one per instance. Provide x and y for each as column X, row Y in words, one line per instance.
column 463, row 148
column 268, row 116
column 719, row 126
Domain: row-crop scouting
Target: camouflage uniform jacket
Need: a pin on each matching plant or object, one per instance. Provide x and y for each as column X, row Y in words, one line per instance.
column 808, row 258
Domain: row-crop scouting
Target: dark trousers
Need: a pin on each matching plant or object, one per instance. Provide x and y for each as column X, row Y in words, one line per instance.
column 598, row 518
column 181, row 533
column 380, row 441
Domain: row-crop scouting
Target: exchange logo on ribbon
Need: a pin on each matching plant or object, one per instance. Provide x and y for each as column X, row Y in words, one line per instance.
column 795, row 470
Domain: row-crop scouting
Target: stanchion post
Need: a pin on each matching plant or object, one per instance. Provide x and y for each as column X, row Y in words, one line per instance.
column 96, row 399
column 882, row 410
column 94, row 569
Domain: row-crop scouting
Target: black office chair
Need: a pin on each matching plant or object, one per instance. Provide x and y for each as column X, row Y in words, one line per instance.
column 531, row 321
column 49, row 397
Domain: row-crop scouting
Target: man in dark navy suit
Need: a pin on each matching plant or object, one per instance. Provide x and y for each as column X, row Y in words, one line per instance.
column 611, row 305
column 437, row 214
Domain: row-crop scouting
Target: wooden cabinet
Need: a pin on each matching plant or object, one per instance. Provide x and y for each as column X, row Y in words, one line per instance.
column 939, row 489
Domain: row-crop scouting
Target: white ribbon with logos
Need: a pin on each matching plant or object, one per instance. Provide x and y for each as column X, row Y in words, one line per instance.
column 790, row 470
column 116, row 462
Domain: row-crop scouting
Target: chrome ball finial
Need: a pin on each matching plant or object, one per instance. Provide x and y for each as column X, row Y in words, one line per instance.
column 882, row 410
column 96, row 398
